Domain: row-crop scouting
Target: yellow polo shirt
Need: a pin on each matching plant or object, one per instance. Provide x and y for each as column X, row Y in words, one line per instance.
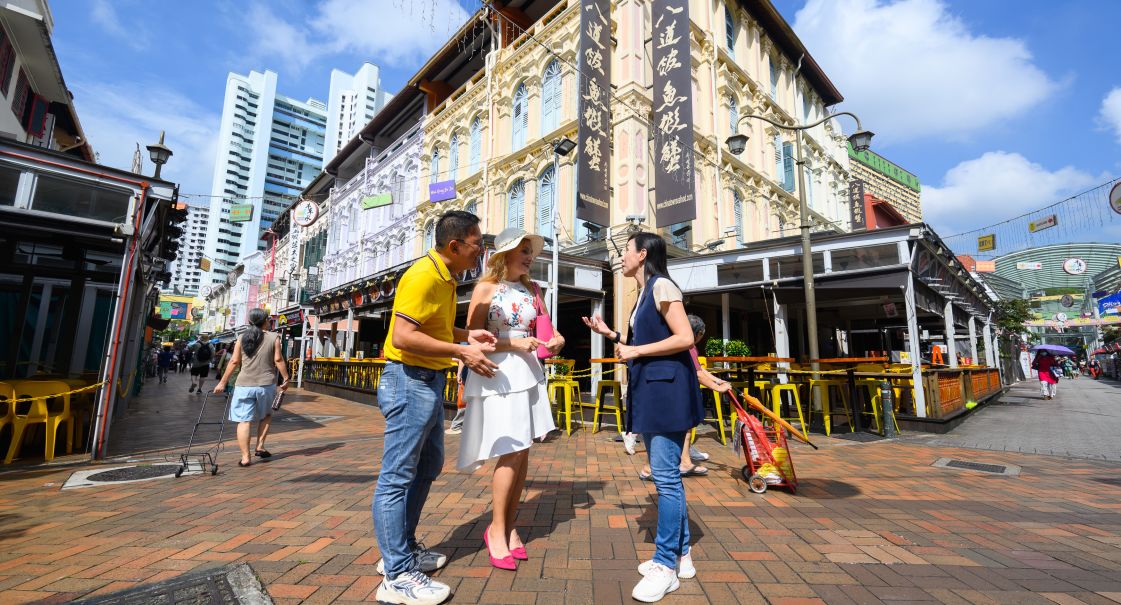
column 426, row 298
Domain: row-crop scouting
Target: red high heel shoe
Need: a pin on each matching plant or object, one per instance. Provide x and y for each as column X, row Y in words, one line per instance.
column 506, row 562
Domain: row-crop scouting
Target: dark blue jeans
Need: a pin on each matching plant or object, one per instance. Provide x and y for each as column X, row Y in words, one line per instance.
column 410, row 399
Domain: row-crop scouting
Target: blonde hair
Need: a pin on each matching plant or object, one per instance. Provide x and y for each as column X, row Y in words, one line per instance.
column 497, row 271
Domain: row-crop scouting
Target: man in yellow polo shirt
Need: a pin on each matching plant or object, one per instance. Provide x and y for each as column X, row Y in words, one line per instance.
column 419, row 349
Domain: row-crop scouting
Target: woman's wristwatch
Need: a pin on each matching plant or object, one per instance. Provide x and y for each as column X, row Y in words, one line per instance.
column 616, row 337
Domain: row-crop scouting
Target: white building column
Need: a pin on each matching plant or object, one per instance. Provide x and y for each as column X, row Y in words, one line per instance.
column 951, row 336
column 913, row 345
column 973, row 338
column 597, row 346
column 782, row 336
column 990, row 350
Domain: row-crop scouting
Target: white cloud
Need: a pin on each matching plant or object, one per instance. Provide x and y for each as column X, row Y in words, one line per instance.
column 1110, row 113
column 118, row 115
column 105, row 14
column 393, row 34
column 994, row 187
column 913, row 70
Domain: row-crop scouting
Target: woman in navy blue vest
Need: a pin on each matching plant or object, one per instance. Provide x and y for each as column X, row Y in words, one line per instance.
column 663, row 403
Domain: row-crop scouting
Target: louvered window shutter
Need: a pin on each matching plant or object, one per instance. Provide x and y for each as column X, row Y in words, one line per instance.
column 476, row 144
column 778, row 158
column 730, row 30
column 434, row 169
column 520, row 118
column 550, row 98
column 515, row 205
column 788, row 166
column 546, row 190
column 453, row 157
column 733, row 114
column 737, row 207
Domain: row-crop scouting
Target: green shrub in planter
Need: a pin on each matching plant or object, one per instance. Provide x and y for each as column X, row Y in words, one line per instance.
column 737, row 348
column 714, row 347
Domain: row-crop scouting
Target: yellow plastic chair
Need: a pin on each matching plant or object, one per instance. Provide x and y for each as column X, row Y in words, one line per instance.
column 565, row 394
column 38, row 411
column 776, row 402
column 615, row 389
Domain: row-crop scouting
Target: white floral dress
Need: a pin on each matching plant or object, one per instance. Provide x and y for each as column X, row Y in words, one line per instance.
column 506, row 412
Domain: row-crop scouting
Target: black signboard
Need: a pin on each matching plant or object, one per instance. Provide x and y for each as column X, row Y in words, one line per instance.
column 674, row 192
column 594, row 155
column 856, row 205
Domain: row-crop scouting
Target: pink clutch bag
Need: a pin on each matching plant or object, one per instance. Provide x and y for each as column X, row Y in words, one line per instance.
column 542, row 326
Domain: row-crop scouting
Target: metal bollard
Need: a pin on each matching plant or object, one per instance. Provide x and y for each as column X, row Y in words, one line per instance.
column 887, row 407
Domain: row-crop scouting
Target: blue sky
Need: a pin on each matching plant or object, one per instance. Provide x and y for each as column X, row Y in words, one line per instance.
column 999, row 106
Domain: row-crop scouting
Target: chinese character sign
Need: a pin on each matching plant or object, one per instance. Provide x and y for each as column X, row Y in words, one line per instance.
column 856, row 205
column 594, row 147
column 674, row 193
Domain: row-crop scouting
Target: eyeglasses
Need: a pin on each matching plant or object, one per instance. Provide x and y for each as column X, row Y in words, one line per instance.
column 475, row 244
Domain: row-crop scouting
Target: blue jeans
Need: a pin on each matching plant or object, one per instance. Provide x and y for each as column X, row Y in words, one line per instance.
column 410, row 398
column 672, row 539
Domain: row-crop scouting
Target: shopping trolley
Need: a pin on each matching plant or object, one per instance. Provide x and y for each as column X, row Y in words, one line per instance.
column 208, row 458
column 769, row 463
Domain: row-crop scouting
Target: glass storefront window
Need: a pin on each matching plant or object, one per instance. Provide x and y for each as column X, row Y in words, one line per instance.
column 868, row 257
column 746, row 272
column 78, row 199
column 9, row 183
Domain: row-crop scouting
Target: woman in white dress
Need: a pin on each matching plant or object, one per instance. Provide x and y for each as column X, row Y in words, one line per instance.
column 506, row 412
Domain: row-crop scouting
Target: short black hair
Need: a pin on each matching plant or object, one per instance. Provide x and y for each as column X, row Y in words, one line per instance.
column 454, row 225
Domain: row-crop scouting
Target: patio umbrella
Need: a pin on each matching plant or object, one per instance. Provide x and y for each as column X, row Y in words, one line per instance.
column 1054, row 349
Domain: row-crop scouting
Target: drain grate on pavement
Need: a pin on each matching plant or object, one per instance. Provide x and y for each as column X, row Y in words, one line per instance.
column 133, row 473
column 229, row 585
column 1007, row 470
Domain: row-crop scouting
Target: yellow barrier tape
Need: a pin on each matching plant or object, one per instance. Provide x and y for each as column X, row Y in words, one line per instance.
column 81, row 390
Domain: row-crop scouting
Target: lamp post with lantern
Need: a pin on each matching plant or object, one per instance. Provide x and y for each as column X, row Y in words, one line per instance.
column 159, row 154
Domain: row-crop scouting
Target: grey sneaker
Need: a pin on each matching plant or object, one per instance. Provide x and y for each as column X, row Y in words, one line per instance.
column 412, row 588
column 427, row 561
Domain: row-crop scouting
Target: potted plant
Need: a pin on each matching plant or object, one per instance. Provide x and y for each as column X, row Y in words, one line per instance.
column 714, row 347
column 737, row 348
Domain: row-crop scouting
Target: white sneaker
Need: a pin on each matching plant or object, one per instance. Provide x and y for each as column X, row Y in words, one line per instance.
column 427, row 561
column 412, row 588
column 685, row 567
column 629, row 440
column 454, row 430
column 656, row 584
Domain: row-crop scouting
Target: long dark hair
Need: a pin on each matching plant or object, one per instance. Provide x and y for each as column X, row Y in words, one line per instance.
column 255, row 334
column 655, row 248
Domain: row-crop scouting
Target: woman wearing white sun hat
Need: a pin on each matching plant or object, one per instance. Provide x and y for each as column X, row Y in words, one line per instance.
column 506, row 412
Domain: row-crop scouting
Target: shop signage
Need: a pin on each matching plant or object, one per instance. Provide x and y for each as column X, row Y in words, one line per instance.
column 1044, row 223
column 674, row 192
column 305, row 213
column 887, row 168
column 1028, row 266
column 593, row 160
column 173, row 310
column 890, row 310
column 856, row 205
column 1067, row 301
column 204, row 263
column 240, row 213
column 1074, row 266
column 986, row 243
column 1110, row 305
column 442, row 191
column 205, row 291
column 1115, row 201
column 986, row 266
column 377, row 201
column 290, row 318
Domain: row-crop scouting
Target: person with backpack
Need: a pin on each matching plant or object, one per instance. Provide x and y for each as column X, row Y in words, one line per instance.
column 200, row 365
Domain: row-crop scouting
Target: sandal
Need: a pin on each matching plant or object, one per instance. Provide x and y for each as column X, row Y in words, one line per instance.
column 645, row 476
column 696, row 471
column 243, row 464
column 263, row 453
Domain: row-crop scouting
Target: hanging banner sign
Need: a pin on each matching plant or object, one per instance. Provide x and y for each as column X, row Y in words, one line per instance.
column 305, row 213
column 1044, row 223
column 1110, row 305
column 986, row 243
column 240, row 213
column 1074, row 266
column 442, row 191
column 986, row 266
column 1028, row 266
column 1115, row 200
column 674, row 193
column 377, row 201
column 593, row 160
column 1074, row 322
column 856, row 205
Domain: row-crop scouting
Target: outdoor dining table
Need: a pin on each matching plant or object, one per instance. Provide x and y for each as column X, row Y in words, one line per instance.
column 751, row 363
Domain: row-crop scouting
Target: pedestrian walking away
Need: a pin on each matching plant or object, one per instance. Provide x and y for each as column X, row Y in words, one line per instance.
column 259, row 362
column 663, row 403
column 419, row 349
column 1047, row 368
column 163, row 363
column 200, row 365
column 506, row 412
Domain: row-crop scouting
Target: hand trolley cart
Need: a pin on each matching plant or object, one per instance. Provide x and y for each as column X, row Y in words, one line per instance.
column 764, row 447
column 208, row 458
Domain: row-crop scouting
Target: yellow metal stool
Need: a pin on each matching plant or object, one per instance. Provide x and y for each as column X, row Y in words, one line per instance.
column 718, row 410
column 616, row 391
column 776, row 401
column 569, row 396
column 874, row 398
column 825, row 385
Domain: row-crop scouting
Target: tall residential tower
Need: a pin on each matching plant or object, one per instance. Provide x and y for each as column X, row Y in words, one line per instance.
column 353, row 101
column 269, row 147
column 186, row 276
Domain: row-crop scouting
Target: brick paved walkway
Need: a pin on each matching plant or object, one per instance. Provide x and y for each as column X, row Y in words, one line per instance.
column 873, row 522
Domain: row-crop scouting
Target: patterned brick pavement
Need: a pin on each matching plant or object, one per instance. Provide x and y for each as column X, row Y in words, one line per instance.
column 872, row 522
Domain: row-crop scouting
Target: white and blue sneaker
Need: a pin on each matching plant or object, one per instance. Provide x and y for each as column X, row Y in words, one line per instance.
column 427, row 561
column 412, row 588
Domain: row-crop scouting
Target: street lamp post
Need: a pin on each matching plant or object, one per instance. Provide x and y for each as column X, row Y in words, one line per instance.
column 561, row 147
column 159, row 154
column 860, row 140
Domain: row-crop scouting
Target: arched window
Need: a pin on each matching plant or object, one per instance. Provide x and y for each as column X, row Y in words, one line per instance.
column 515, row 205
column 520, row 117
column 434, row 169
column 546, row 193
column 730, row 30
column 733, row 114
column 429, row 235
column 476, row 144
column 551, row 97
column 737, row 210
column 453, row 158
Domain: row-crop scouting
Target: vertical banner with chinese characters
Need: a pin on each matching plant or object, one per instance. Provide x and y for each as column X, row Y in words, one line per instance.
column 674, row 192
column 594, row 146
column 856, row 205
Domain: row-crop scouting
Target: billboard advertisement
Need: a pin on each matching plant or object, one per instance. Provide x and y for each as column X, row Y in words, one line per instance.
column 174, row 310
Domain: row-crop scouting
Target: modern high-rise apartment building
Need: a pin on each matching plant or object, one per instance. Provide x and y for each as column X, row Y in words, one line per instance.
column 186, row 277
column 887, row 181
column 270, row 146
column 353, row 101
